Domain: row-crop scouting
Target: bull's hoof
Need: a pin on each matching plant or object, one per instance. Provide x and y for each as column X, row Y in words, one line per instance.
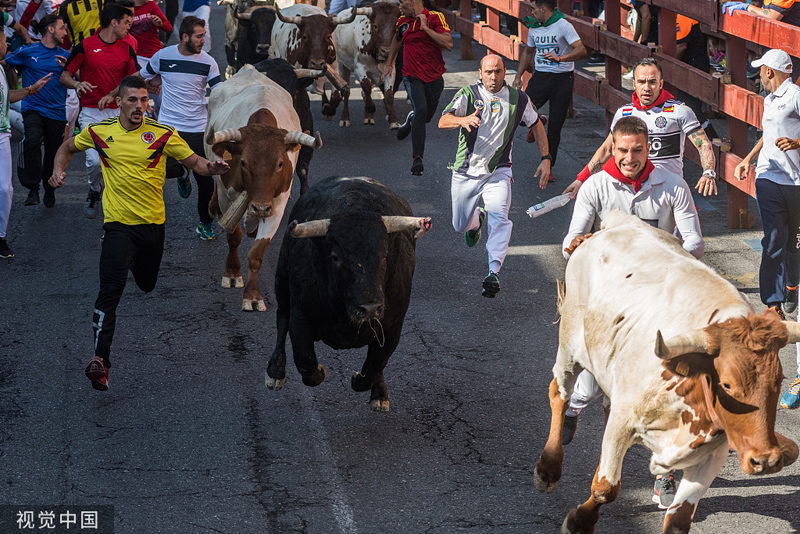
column 358, row 382
column 379, row 405
column 317, row 377
column 571, row 526
column 369, row 121
column 541, row 484
column 274, row 384
column 229, row 71
column 344, row 124
column 327, row 117
column 394, row 125
column 231, row 282
column 256, row 304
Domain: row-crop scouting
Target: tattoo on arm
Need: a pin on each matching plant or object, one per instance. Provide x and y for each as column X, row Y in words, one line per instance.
column 594, row 167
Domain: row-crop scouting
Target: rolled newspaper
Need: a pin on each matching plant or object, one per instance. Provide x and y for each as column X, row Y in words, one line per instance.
column 548, row 205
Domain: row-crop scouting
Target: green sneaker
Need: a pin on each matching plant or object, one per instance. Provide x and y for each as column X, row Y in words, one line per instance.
column 491, row 285
column 473, row 236
column 205, row 231
column 185, row 185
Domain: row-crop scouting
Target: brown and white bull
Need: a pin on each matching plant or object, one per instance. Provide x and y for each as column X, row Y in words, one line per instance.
column 253, row 125
column 687, row 366
column 361, row 49
column 303, row 36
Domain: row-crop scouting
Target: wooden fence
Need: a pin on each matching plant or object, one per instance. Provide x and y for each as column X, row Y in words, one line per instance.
column 726, row 93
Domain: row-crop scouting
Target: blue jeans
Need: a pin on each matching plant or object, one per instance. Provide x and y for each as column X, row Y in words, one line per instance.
column 779, row 206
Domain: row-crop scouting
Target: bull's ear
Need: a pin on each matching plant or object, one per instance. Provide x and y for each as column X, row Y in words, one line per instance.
column 696, row 341
column 232, row 148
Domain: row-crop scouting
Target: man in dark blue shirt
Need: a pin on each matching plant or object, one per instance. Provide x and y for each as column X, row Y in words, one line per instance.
column 44, row 112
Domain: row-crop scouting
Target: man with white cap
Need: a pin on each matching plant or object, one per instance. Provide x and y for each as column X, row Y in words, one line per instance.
column 778, row 191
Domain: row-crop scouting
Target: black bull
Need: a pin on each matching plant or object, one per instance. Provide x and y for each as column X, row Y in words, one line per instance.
column 344, row 278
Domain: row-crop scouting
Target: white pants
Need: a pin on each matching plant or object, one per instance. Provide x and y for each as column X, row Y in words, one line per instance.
column 73, row 107
column 586, row 390
column 6, row 189
column 495, row 190
column 202, row 12
column 94, row 168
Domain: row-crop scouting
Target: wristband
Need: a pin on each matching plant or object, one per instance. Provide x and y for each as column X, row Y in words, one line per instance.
column 584, row 174
column 29, row 89
column 711, row 173
column 547, row 157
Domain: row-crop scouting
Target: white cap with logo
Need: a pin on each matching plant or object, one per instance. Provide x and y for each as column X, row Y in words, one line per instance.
column 775, row 59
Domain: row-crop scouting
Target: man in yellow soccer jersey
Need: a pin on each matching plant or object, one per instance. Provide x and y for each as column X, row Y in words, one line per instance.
column 133, row 151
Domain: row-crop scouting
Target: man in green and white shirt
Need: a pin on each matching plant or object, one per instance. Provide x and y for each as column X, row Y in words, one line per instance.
column 488, row 114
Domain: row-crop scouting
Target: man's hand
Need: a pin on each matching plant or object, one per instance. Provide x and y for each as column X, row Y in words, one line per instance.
column 470, row 121
column 57, row 180
column 156, row 20
column 423, row 21
column 575, row 242
column 543, row 172
column 82, row 88
column 387, row 70
column 706, row 186
column 218, row 167
column 742, row 169
column 572, row 189
column 61, row 60
column 549, row 56
column 154, row 85
column 517, row 83
column 40, row 82
column 104, row 102
column 785, row 143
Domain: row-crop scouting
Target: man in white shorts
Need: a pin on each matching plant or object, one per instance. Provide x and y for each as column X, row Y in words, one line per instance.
column 488, row 114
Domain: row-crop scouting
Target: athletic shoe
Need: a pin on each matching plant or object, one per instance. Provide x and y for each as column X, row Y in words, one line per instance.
column 551, row 178
column 184, row 184
column 597, row 59
column 33, row 198
column 417, row 167
column 491, row 285
column 790, row 300
column 5, row 250
column 664, row 491
column 405, row 128
column 49, row 198
column 92, row 201
column 791, row 399
column 205, row 231
column 570, row 427
column 97, row 372
column 779, row 311
column 628, row 75
column 473, row 236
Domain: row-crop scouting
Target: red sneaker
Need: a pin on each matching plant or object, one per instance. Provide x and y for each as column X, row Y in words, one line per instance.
column 551, row 178
column 97, row 372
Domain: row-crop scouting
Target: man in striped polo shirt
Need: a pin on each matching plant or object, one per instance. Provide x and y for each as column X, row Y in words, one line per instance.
column 488, row 114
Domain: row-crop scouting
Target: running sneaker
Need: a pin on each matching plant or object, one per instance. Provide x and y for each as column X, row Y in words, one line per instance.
column 778, row 310
column 33, row 197
column 405, row 128
column 205, row 231
column 5, row 250
column 97, row 372
column 491, row 285
column 49, row 198
column 92, row 202
column 473, row 236
column 570, row 427
column 791, row 399
column 664, row 491
column 417, row 167
column 184, row 184
column 790, row 300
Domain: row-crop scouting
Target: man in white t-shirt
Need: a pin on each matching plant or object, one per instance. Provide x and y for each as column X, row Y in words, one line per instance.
column 669, row 122
column 556, row 45
column 185, row 71
column 488, row 114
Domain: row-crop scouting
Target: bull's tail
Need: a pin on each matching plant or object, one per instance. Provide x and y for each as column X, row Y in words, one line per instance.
column 561, row 289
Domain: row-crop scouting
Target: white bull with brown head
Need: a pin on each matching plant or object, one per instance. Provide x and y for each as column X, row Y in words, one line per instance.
column 253, row 125
column 688, row 367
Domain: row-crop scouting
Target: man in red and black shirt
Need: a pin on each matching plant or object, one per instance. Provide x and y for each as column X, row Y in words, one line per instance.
column 422, row 34
column 103, row 60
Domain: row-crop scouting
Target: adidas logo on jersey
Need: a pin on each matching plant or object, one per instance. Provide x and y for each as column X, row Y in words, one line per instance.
column 110, row 139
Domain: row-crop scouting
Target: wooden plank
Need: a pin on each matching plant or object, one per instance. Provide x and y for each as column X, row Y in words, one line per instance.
column 761, row 30
column 586, row 31
column 611, row 99
column 727, row 163
column 705, row 11
column 586, row 86
column 695, row 82
column 621, row 48
column 741, row 104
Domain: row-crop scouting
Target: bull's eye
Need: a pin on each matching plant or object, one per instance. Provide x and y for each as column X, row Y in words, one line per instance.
column 335, row 259
column 280, row 165
column 726, row 387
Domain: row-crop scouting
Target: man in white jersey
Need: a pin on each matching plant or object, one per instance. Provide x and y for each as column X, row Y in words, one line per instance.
column 778, row 192
column 185, row 70
column 630, row 182
column 488, row 114
column 556, row 45
column 669, row 122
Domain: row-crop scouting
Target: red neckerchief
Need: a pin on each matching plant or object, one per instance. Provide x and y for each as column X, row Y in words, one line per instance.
column 611, row 168
column 662, row 97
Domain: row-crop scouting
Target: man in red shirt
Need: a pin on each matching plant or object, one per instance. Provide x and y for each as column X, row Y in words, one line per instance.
column 422, row 34
column 103, row 60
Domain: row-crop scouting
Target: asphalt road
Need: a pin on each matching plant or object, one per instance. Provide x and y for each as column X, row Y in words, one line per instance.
column 189, row 440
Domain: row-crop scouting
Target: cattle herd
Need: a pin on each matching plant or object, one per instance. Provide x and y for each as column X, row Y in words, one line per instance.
column 708, row 375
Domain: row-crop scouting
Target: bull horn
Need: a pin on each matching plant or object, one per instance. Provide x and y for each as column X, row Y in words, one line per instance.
column 337, row 81
column 681, row 344
column 231, row 134
column 245, row 15
column 395, row 223
column 788, row 449
column 309, row 229
column 287, row 20
column 293, row 136
column 230, row 219
column 336, row 19
column 308, row 73
column 794, row 331
column 364, row 11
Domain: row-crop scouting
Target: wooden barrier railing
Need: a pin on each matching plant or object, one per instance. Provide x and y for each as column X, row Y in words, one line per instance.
column 725, row 94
